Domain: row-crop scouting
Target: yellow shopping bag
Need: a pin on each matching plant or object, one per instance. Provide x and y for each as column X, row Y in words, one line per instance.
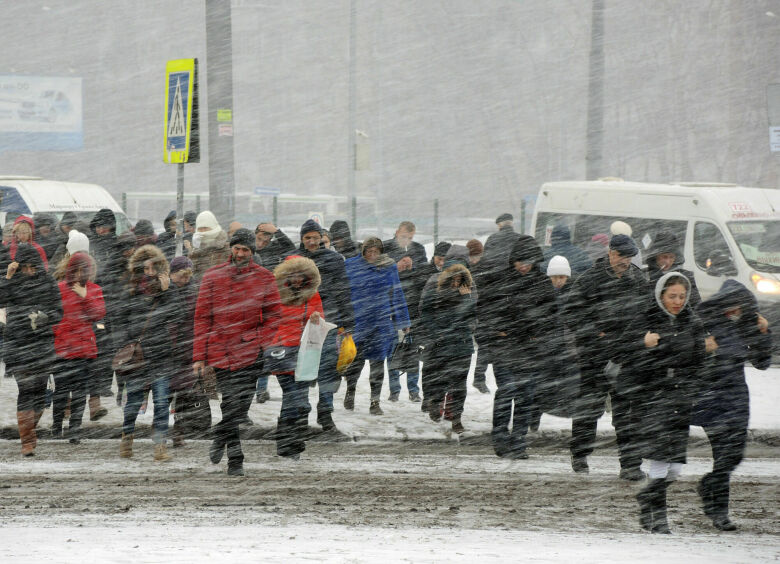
column 347, row 353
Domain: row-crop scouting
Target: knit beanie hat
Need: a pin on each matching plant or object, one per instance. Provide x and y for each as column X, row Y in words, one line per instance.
column 620, row 228
column 77, row 241
column 558, row 266
column 310, row 225
column 475, row 247
column 243, row 237
column 441, row 248
column 180, row 263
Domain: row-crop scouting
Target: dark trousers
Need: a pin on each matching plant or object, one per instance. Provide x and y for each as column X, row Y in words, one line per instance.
column 237, row 388
column 32, row 390
column 446, row 374
column 728, row 441
column 513, row 401
column 71, row 380
column 594, row 387
column 376, row 375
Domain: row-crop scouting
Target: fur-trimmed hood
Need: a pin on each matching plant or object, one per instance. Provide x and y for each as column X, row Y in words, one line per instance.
column 446, row 276
column 136, row 263
column 297, row 265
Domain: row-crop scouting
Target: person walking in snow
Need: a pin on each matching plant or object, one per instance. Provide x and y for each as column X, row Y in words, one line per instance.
column 662, row 350
column 33, row 307
column 380, row 312
column 722, row 406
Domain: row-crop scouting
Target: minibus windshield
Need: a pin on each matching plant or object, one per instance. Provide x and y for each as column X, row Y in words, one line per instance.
column 759, row 243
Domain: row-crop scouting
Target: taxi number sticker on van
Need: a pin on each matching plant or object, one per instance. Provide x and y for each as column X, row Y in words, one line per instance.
column 740, row 207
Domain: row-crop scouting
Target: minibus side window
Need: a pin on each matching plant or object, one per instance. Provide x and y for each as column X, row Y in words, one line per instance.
column 708, row 241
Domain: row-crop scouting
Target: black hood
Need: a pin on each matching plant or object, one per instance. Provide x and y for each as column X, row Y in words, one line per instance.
column 732, row 294
column 664, row 242
column 339, row 229
column 526, row 249
column 103, row 217
column 27, row 254
column 561, row 235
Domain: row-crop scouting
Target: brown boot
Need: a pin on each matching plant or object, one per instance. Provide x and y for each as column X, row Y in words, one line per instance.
column 26, row 422
column 95, row 410
column 126, row 446
column 161, row 453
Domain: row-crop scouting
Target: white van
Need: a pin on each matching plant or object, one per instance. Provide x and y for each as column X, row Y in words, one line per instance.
column 27, row 195
column 727, row 231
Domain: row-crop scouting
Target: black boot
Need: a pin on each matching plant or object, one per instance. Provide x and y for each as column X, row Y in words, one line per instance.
column 645, row 499
column 704, row 490
column 719, row 488
column 288, row 440
column 660, row 522
column 325, row 421
column 217, row 448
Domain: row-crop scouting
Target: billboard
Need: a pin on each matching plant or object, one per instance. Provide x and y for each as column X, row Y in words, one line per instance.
column 39, row 113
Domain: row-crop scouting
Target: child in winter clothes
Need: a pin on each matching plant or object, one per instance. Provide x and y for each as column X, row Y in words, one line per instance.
column 297, row 279
column 74, row 342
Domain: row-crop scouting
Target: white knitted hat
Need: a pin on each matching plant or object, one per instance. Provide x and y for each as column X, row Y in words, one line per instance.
column 620, row 228
column 558, row 266
column 77, row 241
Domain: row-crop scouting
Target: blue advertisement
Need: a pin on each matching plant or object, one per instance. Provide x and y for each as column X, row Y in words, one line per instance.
column 40, row 113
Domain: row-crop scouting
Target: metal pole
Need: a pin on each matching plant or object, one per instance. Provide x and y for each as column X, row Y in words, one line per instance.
column 595, row 132
column 436, row 221
column 179, row 209
column 352, row 97
column 354, row 217
column 522, row 216
column 197, row 204
column 219, row 80
column 124, row 202
column 276, row 210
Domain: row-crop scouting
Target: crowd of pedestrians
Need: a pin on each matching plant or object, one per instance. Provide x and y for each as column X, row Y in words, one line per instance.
column 567, row 330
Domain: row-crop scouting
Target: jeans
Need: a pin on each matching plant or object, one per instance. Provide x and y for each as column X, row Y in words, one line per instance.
column 136, row 389
column 328, row 379
column 394, row 379
column 513, row 401
column 295, row 398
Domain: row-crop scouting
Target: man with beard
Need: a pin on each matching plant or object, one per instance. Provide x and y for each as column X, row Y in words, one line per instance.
column 236, row 315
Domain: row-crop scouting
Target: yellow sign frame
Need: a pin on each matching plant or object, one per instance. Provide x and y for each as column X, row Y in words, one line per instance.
column 180, row 138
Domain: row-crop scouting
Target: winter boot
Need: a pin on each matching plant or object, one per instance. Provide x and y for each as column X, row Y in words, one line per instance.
column 457, row 425
column 74, row 434
column 719, row 489
column 704, row 489
column 56, row 430
column 217, row 448
column 288, row 439
column 96, row 412
column 632, row 474
column 660, row 523
column 26, row 422
column 235, row 468
column 325, row 421
column 374, row 409
column 645, row 498
column 579, row 464
column 126, row 446
column 161, row 453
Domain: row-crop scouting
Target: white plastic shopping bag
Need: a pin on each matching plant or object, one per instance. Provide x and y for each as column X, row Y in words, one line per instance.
column 308, row 364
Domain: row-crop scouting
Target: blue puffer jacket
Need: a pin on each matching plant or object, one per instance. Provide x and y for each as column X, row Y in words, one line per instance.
column 724, row 398
column 379, row 305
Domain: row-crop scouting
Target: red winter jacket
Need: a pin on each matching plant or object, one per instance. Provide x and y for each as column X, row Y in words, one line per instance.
column 73, row 336
column 235, row 316
column 294, row 318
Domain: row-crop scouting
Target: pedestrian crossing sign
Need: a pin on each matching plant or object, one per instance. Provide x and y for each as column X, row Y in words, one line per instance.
column 181, row 112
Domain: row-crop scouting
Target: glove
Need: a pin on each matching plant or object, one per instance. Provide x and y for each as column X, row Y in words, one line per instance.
column 38, row 319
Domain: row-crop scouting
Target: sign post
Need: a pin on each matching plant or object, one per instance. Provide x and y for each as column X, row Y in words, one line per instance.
column 181, row 127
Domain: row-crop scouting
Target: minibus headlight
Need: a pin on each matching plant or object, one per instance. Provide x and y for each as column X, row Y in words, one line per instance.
column 765, row 285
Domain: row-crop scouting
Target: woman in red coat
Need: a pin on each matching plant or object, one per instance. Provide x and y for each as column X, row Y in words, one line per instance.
column 297, row 279
column 74, row 342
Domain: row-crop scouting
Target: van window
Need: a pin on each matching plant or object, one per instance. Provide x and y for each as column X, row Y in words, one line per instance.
column 708, row 241
column 12, row 203
column 584, row 227
column 759, row 243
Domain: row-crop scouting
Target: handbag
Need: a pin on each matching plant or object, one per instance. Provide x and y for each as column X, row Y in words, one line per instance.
column 192, row 415
column 130, row 357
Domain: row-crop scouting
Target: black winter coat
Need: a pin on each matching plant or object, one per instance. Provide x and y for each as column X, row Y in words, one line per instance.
column 415, row 250
column 600, row 302
column 165, row 313
column 273, row 253
column 662, row 380
column 723, row 397
column 334, row 289
column 26, row 349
